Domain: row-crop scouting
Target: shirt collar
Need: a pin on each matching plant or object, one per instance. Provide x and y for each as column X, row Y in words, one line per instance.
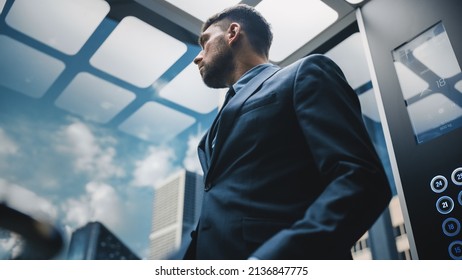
column 249, row 75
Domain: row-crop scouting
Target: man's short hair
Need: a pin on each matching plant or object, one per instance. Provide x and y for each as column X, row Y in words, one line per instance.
column 252, row 22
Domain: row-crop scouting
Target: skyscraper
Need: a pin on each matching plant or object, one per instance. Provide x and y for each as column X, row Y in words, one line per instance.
column 176, row 210
column 94, row 241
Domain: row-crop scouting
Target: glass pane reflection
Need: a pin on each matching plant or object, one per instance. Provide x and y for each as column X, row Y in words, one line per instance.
column 429, row 74
column 94, row 98
column 64, row 25
column 25, row 69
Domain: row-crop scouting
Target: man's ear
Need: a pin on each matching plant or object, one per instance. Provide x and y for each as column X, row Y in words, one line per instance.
column 233, row 33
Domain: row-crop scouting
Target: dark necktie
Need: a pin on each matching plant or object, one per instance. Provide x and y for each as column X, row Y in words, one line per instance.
column 214, row 129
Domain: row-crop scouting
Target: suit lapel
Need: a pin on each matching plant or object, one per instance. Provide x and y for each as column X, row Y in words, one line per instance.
column 204, row 151
column 204, row 157
column 230, row 112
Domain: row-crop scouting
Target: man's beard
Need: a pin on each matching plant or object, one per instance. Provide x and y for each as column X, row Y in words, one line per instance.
column 216, row 74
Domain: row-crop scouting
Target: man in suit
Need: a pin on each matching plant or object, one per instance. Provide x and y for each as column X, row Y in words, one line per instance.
column 289, row 169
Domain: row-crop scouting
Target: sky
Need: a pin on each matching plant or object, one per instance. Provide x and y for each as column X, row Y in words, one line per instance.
column 68, row 171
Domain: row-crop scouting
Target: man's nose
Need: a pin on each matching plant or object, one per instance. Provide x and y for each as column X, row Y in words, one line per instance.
column 198, row 58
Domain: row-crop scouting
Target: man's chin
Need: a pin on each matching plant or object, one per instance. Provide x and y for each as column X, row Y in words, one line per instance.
column 214, row 84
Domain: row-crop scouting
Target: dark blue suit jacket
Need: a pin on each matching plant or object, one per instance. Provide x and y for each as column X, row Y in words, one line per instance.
column 293, row 174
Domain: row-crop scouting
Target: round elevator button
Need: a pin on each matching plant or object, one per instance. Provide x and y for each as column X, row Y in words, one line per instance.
column 451, row 227
column 455, row 250
column 439, row 184
column 444, row 205
column 456, row 176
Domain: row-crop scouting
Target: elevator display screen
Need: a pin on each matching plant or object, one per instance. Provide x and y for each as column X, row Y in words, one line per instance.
column 431, row 83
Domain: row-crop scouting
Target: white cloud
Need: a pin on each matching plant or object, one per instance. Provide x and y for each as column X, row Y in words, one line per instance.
column 27, row 202
column 154, row 168
column 93, row 156
column 99, row 203
column 7, row 146
column 191, row 161
column 11, row 245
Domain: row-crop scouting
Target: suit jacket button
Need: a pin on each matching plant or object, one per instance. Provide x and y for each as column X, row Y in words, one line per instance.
column 207, row 187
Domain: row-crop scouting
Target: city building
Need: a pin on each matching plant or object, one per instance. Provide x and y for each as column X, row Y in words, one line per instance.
column 362, row 249
column 94, row 241
column 175, row 212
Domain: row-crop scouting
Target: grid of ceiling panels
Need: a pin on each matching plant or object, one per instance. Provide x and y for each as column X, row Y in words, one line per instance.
column 136, row 53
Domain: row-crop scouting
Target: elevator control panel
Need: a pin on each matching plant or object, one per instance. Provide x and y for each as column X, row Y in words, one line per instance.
column 430, row 80
column 447, row 189
column 416, row 62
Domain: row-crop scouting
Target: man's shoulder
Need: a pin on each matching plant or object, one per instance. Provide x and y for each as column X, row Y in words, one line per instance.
column 313, row 62
column 315, row 59
column 312, row 59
